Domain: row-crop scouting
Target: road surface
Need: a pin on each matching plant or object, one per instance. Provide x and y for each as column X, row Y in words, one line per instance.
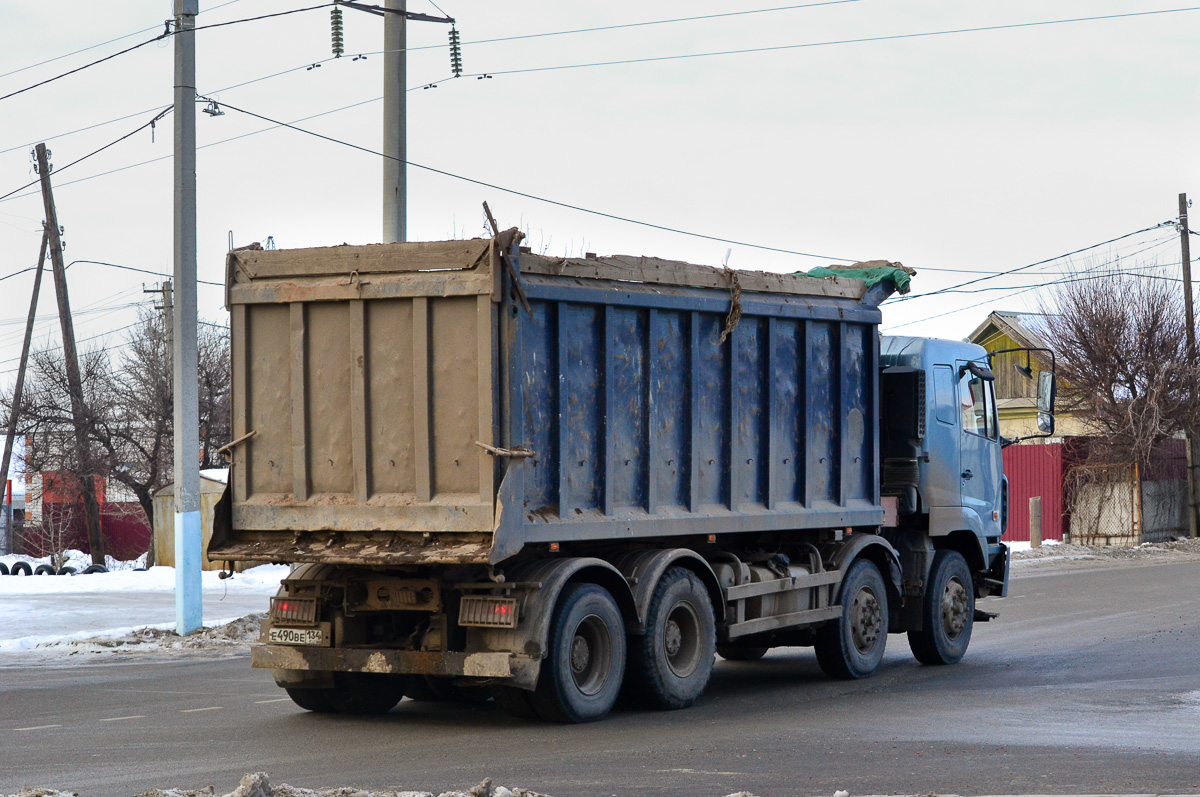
column 1088, row 683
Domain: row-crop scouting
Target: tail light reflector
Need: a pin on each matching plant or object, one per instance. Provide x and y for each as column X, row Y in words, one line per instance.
column 488, row 612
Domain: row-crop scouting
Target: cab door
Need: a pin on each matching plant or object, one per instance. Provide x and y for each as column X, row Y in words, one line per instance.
column 979, row 446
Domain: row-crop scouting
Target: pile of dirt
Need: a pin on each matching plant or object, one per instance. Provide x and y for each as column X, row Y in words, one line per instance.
column 1176, row 550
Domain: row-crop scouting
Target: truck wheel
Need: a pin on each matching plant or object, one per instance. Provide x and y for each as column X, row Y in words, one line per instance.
column 947, row 612
column 365, row 693
column 852, row 647
column 514, row 702
column 311, row 699
column 670, row 665
column 585, row 664
column 740, row 654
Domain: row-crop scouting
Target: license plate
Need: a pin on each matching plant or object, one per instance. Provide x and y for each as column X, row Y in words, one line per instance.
column 298, row 636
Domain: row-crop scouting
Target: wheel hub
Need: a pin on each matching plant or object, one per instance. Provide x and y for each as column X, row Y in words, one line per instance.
column 866, row 620
column 581, row 655
column 954, row 608
column 674, row 638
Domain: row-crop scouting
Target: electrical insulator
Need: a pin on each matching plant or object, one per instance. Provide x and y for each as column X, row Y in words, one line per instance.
column 335, row 24
column 455, row 53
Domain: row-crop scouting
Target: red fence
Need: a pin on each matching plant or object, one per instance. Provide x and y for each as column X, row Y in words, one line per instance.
column 1032, row 471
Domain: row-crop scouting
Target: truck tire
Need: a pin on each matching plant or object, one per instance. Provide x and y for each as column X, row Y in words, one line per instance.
column 947, row 612
column 94, row 569
column 66, row 570
column 311, row 699
column 852, row 646
column 585, row 664
column 364, row 693
column 670, row 666
column 21, row 568
column 44, row 570
column 730, row 653
column 514, row 702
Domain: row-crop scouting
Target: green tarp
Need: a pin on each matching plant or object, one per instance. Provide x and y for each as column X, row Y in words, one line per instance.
column 870, row 273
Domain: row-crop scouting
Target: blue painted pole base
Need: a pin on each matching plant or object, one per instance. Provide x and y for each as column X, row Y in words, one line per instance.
column 189, row 606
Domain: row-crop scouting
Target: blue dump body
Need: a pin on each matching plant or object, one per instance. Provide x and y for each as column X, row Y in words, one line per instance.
column 645, row 423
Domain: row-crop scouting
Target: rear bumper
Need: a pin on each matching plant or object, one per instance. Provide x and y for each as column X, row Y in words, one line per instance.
column 511, row 668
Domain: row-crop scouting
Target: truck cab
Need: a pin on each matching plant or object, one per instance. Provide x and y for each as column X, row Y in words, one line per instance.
column 940, row 451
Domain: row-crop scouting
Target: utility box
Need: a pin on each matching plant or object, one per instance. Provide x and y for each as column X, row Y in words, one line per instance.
column 212, row 484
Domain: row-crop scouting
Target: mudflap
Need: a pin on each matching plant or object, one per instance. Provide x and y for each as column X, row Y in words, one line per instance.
column 996, row 578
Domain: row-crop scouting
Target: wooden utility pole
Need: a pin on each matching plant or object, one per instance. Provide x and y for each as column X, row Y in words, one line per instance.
column 87, row 480
column 19, row 388
column 1193, row 451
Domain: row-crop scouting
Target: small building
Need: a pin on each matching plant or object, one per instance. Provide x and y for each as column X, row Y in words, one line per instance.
column 212, row 485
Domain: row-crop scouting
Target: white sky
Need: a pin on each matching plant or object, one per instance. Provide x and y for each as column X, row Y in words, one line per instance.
column 980, row 151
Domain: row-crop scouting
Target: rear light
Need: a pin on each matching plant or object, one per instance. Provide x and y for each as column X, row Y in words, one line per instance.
column 488, row 612
column 294, row 611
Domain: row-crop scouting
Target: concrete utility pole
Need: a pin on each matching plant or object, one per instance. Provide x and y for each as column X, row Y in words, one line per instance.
column 1193, row 451
column 395, row 123
column 19, row 388
column 189, row 611
column 87, row 481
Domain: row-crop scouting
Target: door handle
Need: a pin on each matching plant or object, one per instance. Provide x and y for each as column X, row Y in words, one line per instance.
column 966, row 474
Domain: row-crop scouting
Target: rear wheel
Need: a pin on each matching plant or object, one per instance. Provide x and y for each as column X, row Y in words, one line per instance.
column 670, row 665
column 514, row 702
column 582, row 672
column 740, row 654
column 947, row 612
column 364, row 693
column 311, row 699
column 852, row 646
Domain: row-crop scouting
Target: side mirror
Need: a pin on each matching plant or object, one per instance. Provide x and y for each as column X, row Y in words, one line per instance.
column 1047, row 390
column 1045, row 423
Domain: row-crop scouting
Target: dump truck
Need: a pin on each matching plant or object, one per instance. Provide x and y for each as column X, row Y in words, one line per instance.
column 548, row 481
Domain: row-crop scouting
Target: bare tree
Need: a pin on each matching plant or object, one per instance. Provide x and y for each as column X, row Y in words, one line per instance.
column 129, row 409
column 1121, row 345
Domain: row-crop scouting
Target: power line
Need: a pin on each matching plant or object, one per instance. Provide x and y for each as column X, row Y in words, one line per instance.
column 981, row 304
column 164, row 35
column 144, row 271
column 164, row 112
column 893, row 37
column 534, row 196
column 85, row 66
column 101, row 44
column 953, row 288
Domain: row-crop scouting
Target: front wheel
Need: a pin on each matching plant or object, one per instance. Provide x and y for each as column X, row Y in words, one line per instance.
column 585, row 664
column 670, row 665
column 947, row 612
column 852, row 646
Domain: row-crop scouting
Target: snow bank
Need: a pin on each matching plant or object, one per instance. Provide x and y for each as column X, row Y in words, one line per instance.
column 224, row 636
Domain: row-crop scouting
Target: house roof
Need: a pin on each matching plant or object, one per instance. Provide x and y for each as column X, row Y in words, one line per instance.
column 1021, row 327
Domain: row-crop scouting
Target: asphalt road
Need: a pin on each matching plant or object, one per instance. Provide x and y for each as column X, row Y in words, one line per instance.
column 1087, row 683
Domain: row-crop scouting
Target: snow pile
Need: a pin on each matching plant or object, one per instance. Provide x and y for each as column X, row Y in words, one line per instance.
column 221, row 637
column 258, row 784
column 1185, row 549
